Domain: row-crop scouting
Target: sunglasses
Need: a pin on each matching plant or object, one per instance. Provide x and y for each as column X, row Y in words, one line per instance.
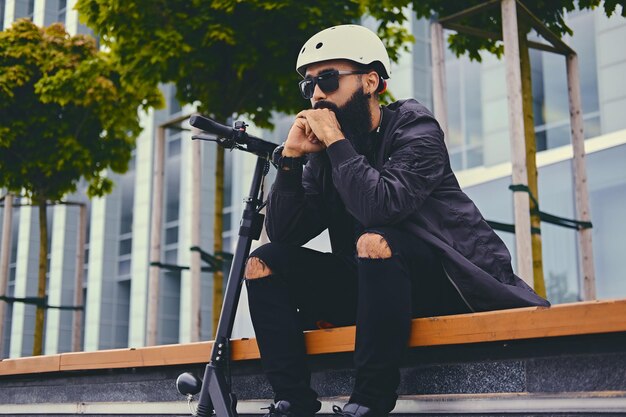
column 327, row 80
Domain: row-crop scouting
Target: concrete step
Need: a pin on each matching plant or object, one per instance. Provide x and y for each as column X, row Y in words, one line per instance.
column 600, row 403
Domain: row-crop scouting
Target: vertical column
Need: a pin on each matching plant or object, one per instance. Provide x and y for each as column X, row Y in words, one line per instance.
column 39, row 13
column 155, row 237
column 439, row 76
column 9, row 13
column 516, row 132
column 26, row 269
column 580, row 178
column 196, row 197
column 141, row 232
column 77, row 318
column 207, row 213
column 60, row 288
column 5, row 255
column 72, row 23
column 102, row 303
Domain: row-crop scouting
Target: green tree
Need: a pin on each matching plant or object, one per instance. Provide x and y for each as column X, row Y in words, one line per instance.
column 229, row 56
column 66, row 112
column 551, row 14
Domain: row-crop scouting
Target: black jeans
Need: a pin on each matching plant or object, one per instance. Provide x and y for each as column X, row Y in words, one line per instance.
column 310, row 289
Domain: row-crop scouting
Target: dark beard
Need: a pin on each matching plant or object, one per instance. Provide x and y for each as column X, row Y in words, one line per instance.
column 355, row 119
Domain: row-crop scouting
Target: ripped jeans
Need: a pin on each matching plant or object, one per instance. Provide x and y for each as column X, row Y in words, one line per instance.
column 306, row 289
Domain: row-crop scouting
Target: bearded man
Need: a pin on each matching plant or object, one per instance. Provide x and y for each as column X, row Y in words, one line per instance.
column 406, row 241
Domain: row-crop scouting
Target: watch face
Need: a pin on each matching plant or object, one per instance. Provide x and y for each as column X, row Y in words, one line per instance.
column 277, row 156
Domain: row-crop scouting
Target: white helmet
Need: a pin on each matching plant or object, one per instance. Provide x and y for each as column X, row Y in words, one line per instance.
column 352, row 42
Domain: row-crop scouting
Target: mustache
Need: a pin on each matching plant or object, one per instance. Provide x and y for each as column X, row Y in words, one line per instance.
column 326, row 105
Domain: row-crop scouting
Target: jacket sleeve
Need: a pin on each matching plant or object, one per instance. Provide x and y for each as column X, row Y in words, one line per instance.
column 295, row 210
column 414, row 168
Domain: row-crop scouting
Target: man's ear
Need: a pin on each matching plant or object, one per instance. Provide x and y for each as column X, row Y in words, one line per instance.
column 373, row 81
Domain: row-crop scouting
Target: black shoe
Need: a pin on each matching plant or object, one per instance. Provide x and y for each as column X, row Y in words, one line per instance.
column 283, row 408
column 355, row 410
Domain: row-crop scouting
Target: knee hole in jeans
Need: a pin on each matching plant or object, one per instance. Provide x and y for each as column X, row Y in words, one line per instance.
column 373, row 246
column 256, row 268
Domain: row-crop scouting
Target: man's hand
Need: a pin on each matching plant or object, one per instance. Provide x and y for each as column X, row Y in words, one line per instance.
column 301, row 140
column 322, row 124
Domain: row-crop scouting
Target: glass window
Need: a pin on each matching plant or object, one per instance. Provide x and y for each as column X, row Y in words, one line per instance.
column 171, row 235
column 455, row 134
column 465, row 113
column 123, row 268
column 550, row 92
column 173, row 104
column 127, row 185
column 536, row 76
column 556, row 102
column 495, row 202
column 228, row 179
column 585, row 46
column 227, row 220
column 62, row 10
column 559, row 244
column 2, row 6
column 472, row 85
column 173, row 147
column 24, row 8
column 126, row 246
column 172, row 190
column 558, row 136
column 171, row 256
column 15, row 228
column 8, row 322
column 121, row 314
column 607, row 189
column 169, row 308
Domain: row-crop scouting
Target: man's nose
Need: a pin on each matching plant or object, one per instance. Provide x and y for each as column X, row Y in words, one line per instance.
column 318, row 94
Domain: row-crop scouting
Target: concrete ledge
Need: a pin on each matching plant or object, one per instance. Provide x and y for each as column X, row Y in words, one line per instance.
column 613, row 402
column 524, row 323
column 584, row 371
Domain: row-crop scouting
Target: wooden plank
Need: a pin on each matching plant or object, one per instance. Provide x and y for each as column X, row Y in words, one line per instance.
column 243, row 349
column 527, row 323
column 561, row 47
column 496, row 36
column 470, row 11
column 30, row 365
column 581, row 318
column 199, row 352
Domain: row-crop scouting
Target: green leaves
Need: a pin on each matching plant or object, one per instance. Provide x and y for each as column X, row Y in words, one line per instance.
column 549, row 12
column 66, row 112
column 231, row 56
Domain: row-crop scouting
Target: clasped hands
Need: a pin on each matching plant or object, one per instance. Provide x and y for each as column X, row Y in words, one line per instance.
column 313, row 131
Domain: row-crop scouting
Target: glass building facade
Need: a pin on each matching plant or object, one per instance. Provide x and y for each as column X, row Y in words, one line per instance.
column 117, row 250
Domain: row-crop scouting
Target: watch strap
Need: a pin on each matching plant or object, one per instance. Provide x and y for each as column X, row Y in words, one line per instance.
column 281, row 161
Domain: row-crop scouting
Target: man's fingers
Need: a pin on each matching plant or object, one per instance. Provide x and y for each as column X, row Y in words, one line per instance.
column 303, row 113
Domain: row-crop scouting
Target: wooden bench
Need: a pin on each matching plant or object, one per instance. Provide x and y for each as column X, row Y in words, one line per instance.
column 582, row 318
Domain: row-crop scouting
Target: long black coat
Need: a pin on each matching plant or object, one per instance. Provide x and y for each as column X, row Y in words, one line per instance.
column 410, row 185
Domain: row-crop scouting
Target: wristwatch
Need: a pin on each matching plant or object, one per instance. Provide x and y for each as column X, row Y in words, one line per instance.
column 281, row 161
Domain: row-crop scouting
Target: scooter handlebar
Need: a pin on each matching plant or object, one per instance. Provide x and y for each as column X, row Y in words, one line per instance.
column 210, row 126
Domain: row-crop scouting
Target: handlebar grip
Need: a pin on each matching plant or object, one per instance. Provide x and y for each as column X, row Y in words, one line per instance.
column 210, row 126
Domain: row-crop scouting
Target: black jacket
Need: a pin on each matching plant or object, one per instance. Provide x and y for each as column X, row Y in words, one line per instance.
column 410, row 185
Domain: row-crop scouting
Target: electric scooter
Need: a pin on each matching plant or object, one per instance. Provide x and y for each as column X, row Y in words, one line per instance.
column 216, row 396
